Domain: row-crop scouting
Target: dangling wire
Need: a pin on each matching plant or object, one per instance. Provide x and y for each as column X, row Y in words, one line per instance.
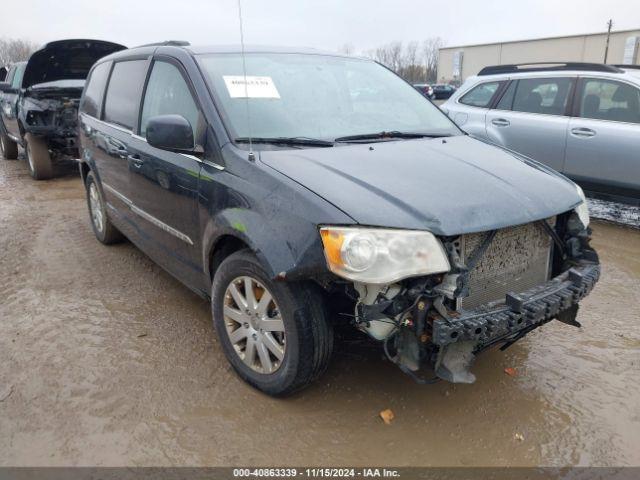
column 246, row 86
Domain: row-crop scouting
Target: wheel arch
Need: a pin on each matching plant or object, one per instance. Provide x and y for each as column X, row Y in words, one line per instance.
column 235, row 229
column 84, row 168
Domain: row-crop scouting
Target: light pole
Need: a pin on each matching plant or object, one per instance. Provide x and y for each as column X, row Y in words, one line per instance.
column 606, row 48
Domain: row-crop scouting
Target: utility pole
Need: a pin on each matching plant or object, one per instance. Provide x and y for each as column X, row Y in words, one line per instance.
column 606, row 48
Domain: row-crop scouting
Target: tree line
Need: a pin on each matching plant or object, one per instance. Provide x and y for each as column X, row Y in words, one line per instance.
column 414, row 61
column 15, row 50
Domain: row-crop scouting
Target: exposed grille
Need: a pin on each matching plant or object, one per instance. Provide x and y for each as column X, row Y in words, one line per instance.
column 517, row 259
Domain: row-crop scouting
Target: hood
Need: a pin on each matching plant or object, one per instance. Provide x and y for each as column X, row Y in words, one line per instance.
column 65, row 60
column 448, row 185
column 60, row 84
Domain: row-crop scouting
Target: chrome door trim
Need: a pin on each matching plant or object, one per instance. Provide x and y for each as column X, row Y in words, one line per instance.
column 108, row 124
column 120, row 196
column 192, row 157
column 205, row 162
column 160, row 224
column 147, row 216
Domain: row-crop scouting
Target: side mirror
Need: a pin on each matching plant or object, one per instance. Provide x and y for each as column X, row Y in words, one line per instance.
column 4, row 86
column 170, row 132
column 3, row 73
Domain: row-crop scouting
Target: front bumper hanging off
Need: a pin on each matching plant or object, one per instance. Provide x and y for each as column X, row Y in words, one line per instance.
column 519, row 313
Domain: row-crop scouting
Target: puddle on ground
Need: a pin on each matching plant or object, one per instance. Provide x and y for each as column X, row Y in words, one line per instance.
column 110, row 361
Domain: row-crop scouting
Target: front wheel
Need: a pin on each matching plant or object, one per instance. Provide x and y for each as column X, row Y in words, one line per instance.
column 276, row 335
column 38, row 157
column 8, row 148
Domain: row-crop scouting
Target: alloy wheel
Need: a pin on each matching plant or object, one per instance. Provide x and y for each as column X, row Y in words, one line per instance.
column 97, row 213
column 30, row 158
column 254, row 324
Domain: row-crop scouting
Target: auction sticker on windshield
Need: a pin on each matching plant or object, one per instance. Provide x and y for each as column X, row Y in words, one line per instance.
column 254, row 87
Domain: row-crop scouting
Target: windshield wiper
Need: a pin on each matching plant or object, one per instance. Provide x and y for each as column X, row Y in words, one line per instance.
column 391, row 134
column 301, row 141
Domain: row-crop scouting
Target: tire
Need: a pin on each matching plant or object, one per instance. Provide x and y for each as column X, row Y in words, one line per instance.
column 38, row 158
column 301, row 312
column 8, row 148
column 104, row 230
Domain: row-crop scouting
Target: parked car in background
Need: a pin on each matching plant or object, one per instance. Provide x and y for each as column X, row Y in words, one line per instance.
column 294, row 208
column 425, row 89
column 40, row 102
column 581, row 119
column 443, row 91
column 9, row 94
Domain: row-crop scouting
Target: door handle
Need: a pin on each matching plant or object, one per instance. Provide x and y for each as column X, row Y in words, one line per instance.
column 583, row 132
column 135, row 160
column 500, row 122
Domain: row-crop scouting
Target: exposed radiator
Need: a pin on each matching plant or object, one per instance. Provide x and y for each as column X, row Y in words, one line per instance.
column 517, row 259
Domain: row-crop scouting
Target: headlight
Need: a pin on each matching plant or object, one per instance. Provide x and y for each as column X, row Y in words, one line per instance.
column 378, row 255
column 582, row 210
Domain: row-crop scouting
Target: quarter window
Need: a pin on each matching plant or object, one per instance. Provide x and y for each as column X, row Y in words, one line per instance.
column 124, row 91
column 168, row 93
column 481, row 95
column 92, row 100
column 610, row 100
column 10, row 74
column 542, row 95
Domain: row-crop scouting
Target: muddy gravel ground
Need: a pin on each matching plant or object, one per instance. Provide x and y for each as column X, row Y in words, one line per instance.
column 105, row 359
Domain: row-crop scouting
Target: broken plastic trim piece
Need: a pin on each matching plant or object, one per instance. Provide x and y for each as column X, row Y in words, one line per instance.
column 407, row 371
column 454, row 361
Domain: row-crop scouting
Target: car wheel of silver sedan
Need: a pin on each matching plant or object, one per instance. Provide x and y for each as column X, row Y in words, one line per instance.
column 275, row 334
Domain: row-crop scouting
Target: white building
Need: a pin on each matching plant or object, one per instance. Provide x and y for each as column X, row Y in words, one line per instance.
column 458, row 63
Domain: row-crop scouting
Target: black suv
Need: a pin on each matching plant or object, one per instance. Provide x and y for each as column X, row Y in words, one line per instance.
column 353, row 201
column 39, row 102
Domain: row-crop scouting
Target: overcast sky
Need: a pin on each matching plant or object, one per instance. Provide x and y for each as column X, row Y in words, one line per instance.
column 324, row 24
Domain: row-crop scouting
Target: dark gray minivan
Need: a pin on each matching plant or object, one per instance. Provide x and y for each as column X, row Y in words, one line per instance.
column 301, row 191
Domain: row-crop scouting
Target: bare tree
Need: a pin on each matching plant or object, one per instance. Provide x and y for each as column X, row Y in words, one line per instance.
column 347, row 49
column 15, row 50
column 430, row 51
column 414, row 62
column 389, row 55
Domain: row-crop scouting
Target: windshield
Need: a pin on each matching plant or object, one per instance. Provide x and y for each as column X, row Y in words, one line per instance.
column 317, row 97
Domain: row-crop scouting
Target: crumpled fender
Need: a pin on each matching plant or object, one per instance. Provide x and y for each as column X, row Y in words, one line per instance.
column 270, row 246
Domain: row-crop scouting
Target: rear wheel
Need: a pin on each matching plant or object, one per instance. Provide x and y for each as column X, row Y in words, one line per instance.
column 8, row 148
column 275, row 334
column 40, row 165
column 104, row 230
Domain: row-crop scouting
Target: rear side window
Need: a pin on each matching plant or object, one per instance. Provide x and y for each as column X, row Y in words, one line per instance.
column 16, row 82
column 610, row 100
column 94, row 91
column 480, row 95
column 168, row 93
column 124, row 91
column 10, row 74
column 542, row 95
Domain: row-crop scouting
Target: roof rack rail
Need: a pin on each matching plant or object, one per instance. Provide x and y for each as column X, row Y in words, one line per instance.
column 167, row 43
column 548, row 67
column 628, row 65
